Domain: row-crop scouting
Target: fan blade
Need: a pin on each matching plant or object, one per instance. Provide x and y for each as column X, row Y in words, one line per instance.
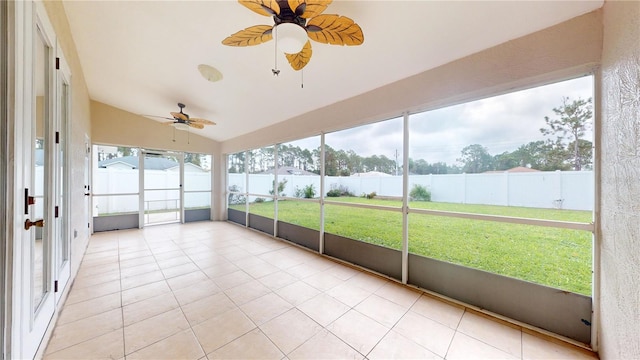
column 202, row 121
column 181, row 116
column 250, row 36
column 301, row 59
column 196, row 125
column 262, row 7
column 334, row 30
column 311, row 7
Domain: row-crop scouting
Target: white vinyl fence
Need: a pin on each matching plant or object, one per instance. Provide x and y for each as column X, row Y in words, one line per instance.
column 108, row 182
column 546, row 189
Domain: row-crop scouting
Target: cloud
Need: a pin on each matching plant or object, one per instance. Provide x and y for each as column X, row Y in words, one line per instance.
column 500, row 123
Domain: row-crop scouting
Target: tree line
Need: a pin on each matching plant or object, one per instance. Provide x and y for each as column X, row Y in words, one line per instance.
column 562, row 149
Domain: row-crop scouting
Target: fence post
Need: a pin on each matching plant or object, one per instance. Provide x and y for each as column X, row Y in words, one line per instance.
column 506, row 187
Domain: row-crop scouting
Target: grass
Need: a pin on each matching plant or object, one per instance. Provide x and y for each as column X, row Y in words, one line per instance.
column 554, row 257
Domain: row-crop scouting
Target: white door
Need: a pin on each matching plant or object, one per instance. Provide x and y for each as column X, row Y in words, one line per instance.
column 37, row 300
column 61, row 214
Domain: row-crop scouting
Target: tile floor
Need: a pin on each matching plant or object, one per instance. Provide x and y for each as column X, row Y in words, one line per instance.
column 214, row 290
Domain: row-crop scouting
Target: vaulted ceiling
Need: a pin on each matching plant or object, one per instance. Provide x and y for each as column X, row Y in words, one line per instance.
column 143, row 56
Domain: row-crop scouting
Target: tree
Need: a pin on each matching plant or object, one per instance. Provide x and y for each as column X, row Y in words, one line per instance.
column 476, row 159
column 573, row 120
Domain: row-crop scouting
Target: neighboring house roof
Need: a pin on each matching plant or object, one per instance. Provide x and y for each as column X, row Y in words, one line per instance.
column 290, row 170
column 150, row 163
column 517, row 169
column 371, row 173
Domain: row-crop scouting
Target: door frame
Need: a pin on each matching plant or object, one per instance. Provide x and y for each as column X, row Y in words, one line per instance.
column 26, row 328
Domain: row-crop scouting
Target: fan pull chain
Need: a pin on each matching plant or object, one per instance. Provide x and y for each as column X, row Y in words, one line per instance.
column 174, row 134
column 302, row 78
column 188, row 137
column 275, row 71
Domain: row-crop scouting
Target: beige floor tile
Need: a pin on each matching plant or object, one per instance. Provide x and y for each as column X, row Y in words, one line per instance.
column 324, row 345
column 428, row 333
column 230, row 280
column 139, row 270
column 92, row 292
column 87, row 269
column 137, row 261
column 343, row 272
column 438, row 310
column 143, row 292
column 290, row 330
column 277, row 280
column 185, row 280
column 139, row 280
column 359, row 331
column 493, row 332
column 260, row 270
column 180, row 270
column 265, row 308
column 81, row 310
column 82, row 330
column 348, row 294
column 207, row 308
column 246, row 292
column 466, row 347
column 396, row 346
column 182, row 345
column 303, row 270
column 222, row 329
column 87, row 281
column 169, row 262
column 107, row 346
column 398, row 294
column 252, row 345
column 196, row 291
column 297, row 292
column 323, row 309
column 382, row 310
column 280, row 260
column 322, row 281
column 135, row 254
column 153, row 329
column 367, row 281
column 147, row 308
column 537, row 347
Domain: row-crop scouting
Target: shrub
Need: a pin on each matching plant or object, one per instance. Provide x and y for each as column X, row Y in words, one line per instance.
column 371, row 195
column 281, row 185
column 235, row 199
column 309, row 191
column 419, row 193
column 334, row 193
column 259, row 200
column 297, row 192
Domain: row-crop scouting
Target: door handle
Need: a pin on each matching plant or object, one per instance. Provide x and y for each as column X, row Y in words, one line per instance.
column 38, row 223
column 87, row 194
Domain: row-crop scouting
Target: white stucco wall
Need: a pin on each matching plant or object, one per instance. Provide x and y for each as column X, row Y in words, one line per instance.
column 620, row 183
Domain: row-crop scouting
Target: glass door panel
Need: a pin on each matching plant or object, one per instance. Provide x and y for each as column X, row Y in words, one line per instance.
column 162, row 188
column 39, row 169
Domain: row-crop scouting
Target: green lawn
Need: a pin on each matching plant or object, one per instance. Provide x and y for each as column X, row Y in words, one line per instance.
column 555, row 257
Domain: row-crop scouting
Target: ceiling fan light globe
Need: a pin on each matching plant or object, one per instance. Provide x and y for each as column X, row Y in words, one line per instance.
column 181, row 126
column 291, row 37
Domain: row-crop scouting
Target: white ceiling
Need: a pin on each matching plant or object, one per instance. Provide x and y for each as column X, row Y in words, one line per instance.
column 142, row 56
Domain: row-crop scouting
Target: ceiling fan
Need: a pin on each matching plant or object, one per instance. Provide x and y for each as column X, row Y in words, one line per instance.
column 182, row 121
column 297, row 21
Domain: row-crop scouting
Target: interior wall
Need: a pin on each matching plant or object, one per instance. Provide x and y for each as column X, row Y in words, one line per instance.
column 620, row 182
column 114, row 126
column 80, row 126
column 564, row 50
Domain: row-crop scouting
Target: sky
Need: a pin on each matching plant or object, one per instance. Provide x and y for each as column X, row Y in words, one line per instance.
column 501, row 123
